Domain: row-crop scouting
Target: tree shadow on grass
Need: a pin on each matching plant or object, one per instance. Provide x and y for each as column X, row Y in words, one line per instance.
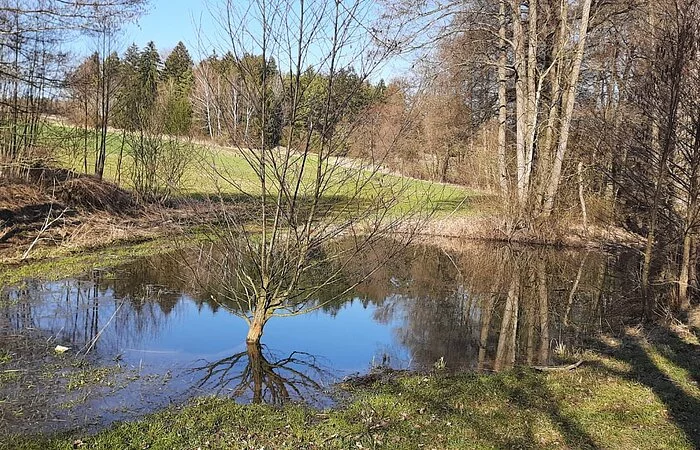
column 249, row 208
column 521, row 397
column 533, row 394
column 683, row 407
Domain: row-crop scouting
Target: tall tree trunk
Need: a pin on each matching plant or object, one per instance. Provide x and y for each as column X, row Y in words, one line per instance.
column 581, row 198
column 532, row 85
column 502, row 101
column 119, row 161
column 546, row 150
column 683, row 300
column 520, row 101
column 569, row 100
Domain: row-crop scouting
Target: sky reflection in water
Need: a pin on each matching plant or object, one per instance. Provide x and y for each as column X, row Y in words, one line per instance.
column 476, row 307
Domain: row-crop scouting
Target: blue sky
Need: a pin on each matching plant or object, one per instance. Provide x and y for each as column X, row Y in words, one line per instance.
column 169, row 21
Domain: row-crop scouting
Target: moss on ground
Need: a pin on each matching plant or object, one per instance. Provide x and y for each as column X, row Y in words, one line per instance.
column 630, row 393
column 58, row 265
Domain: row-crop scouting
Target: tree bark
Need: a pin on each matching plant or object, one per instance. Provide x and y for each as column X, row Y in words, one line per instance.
column 520, row 101
column 257, row 324
column 565, row 126
column 502, row 101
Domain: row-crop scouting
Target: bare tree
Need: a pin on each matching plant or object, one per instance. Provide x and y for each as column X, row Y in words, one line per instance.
column 32, row 62
column 301, row 67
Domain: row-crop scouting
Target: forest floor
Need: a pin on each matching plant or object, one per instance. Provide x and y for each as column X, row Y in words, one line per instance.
column 636, row 390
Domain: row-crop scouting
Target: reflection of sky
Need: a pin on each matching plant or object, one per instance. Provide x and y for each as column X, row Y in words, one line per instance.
column 348, row 341
column 159, row 350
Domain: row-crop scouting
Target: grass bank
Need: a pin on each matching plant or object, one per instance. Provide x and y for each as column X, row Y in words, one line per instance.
column 56, row 265
column 58, row 211
column 639, row 390
column 214, row 169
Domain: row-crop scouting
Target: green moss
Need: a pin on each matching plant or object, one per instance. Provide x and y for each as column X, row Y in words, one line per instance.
column 56, row 266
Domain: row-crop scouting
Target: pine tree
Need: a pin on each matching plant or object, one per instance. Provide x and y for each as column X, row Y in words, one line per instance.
column 129, row 94
column 178, row 80
column 178, row 65
column 149, row 69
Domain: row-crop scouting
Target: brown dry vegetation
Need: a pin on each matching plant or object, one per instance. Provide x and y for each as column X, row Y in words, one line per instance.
column 64, row 211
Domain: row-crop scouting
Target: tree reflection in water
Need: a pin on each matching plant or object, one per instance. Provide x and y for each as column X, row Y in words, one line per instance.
column 259, row 376
column 473, row 306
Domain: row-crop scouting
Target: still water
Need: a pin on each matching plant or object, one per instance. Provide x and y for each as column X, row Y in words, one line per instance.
column 143, row 336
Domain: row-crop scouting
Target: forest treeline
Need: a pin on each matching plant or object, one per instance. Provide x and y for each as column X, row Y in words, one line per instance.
column 576, row 112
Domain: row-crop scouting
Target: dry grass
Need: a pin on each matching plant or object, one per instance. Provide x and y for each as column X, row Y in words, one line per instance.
column 495, row 228
column 64, row 212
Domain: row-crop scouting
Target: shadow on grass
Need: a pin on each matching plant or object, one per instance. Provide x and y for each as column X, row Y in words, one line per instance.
column 530, row 401
column 248, row 209
column 664, row 378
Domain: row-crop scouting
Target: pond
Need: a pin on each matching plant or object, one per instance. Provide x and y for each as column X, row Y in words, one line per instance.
column 143, row 336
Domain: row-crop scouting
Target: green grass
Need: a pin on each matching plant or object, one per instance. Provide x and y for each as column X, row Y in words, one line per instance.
column 201, row 180
column 49, row 268
column 631, row 393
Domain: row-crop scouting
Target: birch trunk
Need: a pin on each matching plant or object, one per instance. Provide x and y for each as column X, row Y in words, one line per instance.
column 502, row 101
column 570, row 98
column 520, row 100
column 531, row 107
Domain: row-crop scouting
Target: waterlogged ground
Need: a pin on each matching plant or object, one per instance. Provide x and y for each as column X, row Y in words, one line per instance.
column 143, row 336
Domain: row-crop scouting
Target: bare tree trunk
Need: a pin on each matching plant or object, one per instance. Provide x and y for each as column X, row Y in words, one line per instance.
column 85, row 137
column 520, row 101
column 119, row 161
column 531, row 107
column 257, row 324
column 581, row 199
column 683, row 300
column 502, row 101
column 569, row 100
column 550, row 133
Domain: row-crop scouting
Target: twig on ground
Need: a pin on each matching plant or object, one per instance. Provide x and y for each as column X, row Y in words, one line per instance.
column 558, row 368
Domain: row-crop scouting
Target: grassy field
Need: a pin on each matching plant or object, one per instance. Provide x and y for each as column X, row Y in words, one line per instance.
column 214, row 169
column 636, row 391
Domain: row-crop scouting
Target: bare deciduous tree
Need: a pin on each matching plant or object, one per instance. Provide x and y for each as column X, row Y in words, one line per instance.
column 301, row 67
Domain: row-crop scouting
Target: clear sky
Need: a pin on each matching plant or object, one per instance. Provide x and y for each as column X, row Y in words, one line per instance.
column 170, row 21
column 167, row 22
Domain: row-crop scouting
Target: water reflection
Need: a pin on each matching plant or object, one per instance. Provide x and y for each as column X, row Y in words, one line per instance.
column 469, row 306
column 260, row 377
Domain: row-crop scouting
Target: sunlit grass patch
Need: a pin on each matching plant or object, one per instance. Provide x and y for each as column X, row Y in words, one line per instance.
column 215, row 170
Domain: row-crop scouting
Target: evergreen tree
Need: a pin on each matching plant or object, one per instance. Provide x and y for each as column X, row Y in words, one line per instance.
column 129, row 94
column 178, row 65
column 149, row 68
column 178, row 80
